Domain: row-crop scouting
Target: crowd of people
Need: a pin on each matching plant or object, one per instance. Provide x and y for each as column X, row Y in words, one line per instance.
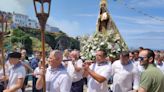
column 140, row 70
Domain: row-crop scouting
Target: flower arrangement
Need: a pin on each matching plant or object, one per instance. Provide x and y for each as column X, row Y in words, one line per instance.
column 108, row 41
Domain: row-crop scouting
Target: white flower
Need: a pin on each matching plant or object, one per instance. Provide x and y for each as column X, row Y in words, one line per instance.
column 98, row 49
column 82, row 57
column 102, row 43
column 111, row 55
column 90, row 44
column 93, row 53
column 95, row 42
column 109, row 46
column 118, row 49
column 94, row 47
column 90, row 55
column 96, row 39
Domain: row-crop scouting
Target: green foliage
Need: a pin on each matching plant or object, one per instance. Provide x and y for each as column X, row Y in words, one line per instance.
column 14, row 39
column 57, row 40
column 18, row 33
column 18, row 36
column 74, row 44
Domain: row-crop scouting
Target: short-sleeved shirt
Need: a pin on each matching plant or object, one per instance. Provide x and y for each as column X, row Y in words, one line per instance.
column 103, row 70
column 152, row 79
column 58, row 80
column 15, row 73
column 8, row 65
column 140, row 68
column 125, row 77
column 34, row 63
column 1, row 73
column 161, row 67
column 76, row 76
column 37, row 71
column 26, row 62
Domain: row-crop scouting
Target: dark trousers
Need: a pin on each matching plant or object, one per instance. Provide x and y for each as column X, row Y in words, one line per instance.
column 25, row 84
column 34, row 79
column 77, row 86
column 1, row 88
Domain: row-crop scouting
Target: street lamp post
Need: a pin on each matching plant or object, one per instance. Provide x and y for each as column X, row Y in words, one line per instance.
column 42, row 17
column 2, row 33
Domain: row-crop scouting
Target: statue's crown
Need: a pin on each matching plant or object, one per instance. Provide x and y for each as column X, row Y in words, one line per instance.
column 103, row 2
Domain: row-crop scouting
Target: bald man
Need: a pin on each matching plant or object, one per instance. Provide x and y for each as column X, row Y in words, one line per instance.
column 74, row 68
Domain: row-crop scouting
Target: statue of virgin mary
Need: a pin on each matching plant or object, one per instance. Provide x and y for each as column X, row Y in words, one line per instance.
column 103, row 19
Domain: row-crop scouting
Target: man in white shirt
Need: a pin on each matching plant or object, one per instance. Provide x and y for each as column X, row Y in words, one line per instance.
column 159, row 62
column 136, row 62
column 16, row 74
column 26, row 64
column 98, row 73
column 125, row 74
column 74, row 69
column 1, row 74
column 57, row 78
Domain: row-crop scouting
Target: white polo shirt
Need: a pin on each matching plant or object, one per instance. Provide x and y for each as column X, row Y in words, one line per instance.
column 103, row 70
column 36, row 72
column 140, row 68
column 76, row 76
column 1, row 72
column 15, row 73
column 124, row 76
column 58, row 80
column 8, row 65
column 161, row 67
column 6, row 72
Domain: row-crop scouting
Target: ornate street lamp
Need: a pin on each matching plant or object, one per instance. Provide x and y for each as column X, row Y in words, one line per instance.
column 2, row 22
column 42, row 16
column 2, row 33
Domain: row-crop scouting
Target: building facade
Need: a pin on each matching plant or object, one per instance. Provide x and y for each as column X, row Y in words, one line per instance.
column 20, row 19
column 15, row 20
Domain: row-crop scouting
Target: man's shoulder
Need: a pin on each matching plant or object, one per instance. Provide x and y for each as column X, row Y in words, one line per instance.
column 64, row 74
column 152, row 70
column 20, row 71
column 33, row 59
column 116, row 63
column 134, row 64
column 107, row 64
column 79, row 60
column 21, row 68
column 25, row 62
column 147, row 73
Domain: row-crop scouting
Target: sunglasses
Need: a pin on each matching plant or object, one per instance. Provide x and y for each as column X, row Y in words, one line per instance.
column 141, row 58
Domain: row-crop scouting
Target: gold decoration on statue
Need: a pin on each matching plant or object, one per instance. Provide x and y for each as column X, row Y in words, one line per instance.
column 103, row 17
